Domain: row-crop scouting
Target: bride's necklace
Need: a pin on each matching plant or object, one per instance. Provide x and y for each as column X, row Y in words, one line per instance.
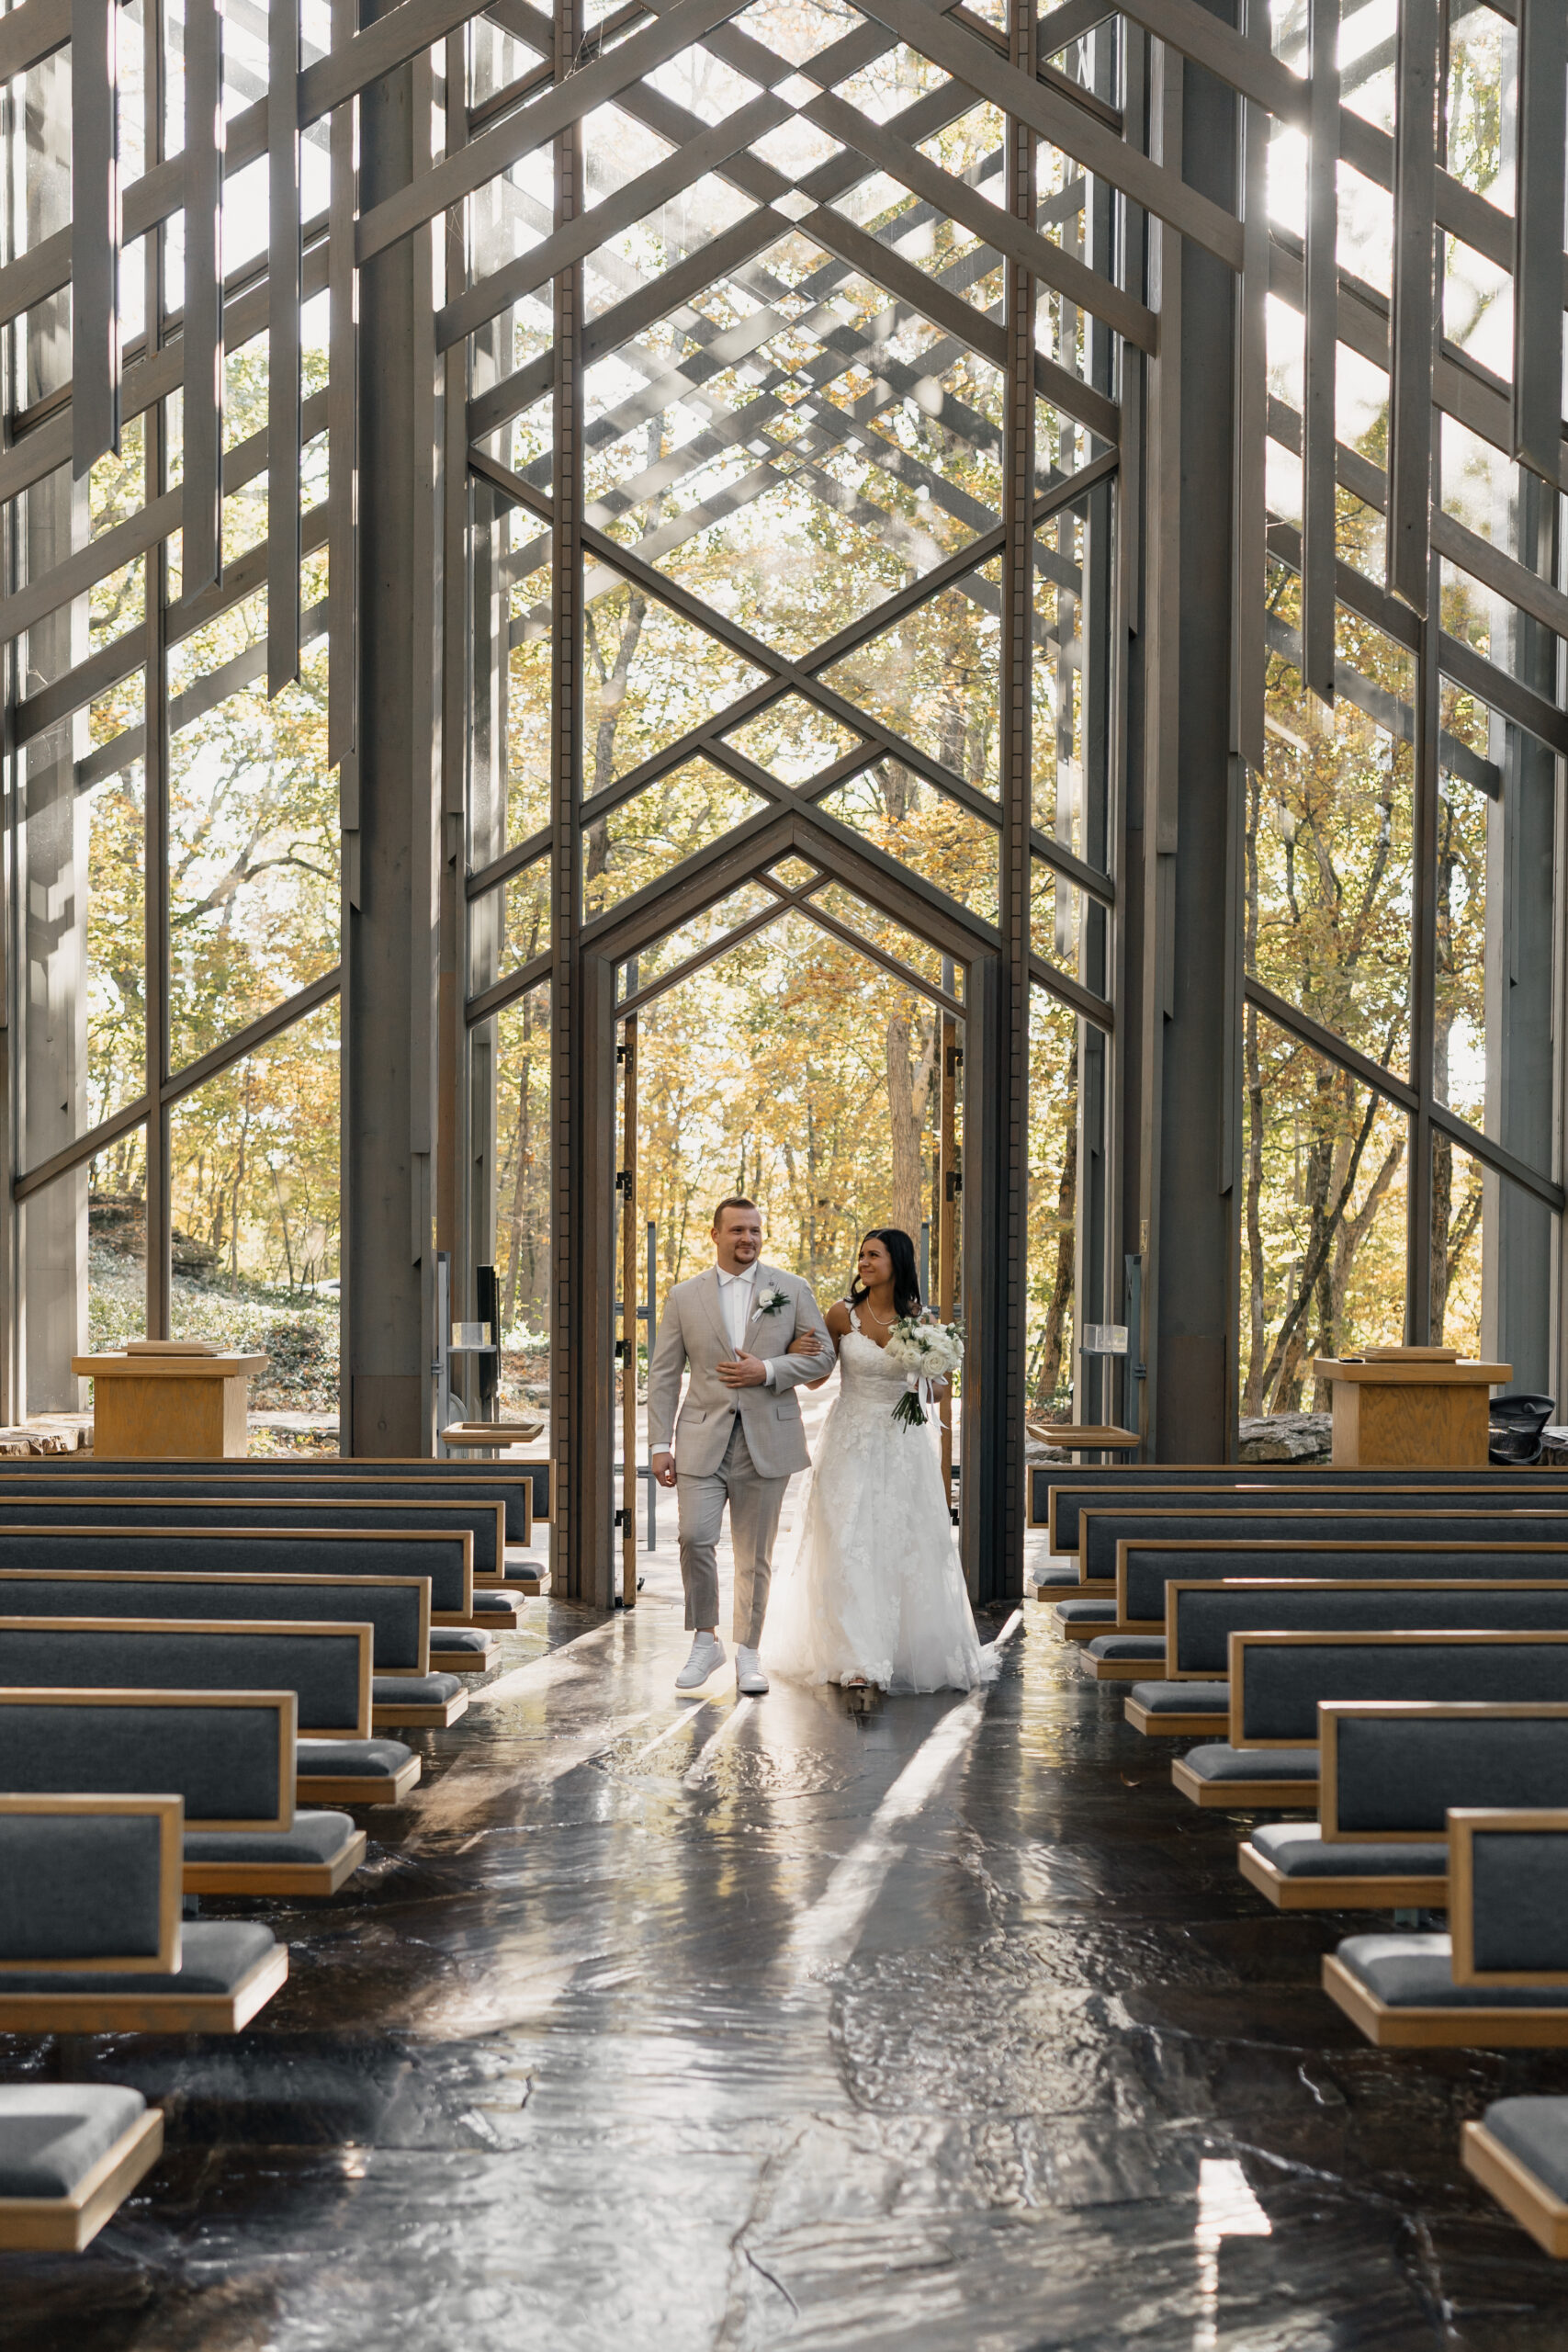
column 886, row 1323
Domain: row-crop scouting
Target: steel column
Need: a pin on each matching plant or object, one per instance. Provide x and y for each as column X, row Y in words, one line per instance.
column 49, row 875
column 1523, row 979
column 388, row 1047
column 1190, row 974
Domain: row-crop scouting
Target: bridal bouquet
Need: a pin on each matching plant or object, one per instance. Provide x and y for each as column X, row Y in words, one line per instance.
column 922, row 1352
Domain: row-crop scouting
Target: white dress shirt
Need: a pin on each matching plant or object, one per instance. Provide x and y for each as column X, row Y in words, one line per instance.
column 736, row 1293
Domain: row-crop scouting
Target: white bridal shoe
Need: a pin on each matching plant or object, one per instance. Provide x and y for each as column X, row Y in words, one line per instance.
column 750, row 1678
column 707, row 1652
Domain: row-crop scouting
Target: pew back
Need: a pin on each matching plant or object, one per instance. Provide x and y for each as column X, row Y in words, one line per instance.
column 396, row 1609
column 1391, row 1770
column 1146, row 1563
column 1279, row 1680
column 1508, row 1895
column 328, row 1667
column 443, row 1560
column 94, row 1880
column 1201, row 1618
column 228, row 1754
column 521, row 1486
column 1064, row 1491
column 140, row 1502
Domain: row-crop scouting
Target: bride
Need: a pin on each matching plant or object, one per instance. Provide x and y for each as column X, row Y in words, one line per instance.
column 875, row 1593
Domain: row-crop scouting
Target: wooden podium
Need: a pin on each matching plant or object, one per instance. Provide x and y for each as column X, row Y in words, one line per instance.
column 162, row 1408
column 1411, row 1409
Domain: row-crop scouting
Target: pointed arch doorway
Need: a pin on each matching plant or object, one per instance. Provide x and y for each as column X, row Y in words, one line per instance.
column 784, row 865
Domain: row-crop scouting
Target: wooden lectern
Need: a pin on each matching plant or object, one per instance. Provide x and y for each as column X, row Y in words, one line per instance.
column 166, row 1406
column 1413, row 1408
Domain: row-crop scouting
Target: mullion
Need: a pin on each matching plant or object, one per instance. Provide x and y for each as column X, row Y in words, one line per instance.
column 158, row 1269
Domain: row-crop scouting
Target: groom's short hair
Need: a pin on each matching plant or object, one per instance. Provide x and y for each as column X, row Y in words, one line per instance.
column 730, row 1201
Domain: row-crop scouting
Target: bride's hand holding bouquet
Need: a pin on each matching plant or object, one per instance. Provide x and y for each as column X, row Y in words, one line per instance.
column 923, row 1350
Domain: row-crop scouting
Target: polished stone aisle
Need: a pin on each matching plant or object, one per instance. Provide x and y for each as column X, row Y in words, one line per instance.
column 706, row 2028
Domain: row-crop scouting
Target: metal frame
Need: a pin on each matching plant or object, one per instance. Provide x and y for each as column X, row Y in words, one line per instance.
column 1157, row 379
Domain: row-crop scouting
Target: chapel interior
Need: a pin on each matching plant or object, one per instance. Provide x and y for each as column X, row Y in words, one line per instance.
column 944, row 615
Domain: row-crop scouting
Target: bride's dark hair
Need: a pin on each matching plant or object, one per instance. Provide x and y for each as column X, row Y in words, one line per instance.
column 906, row 1274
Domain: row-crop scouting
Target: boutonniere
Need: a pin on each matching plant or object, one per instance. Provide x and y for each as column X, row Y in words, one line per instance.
column 769, row 1301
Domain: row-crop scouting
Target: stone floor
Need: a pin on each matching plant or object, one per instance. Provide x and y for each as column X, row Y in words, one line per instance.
column 668, row 2025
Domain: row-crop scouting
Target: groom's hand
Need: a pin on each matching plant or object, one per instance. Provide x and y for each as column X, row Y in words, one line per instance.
column 663, row 1468
column 745, row 1372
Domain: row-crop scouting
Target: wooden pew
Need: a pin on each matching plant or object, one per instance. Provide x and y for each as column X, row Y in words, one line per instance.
column 1279, row 1682
column 446, row 1559
column 1198, row 1515
column 1414, row 1552
column 525, row 1493
column 228, row 1754
column 1518, row 2153
column 1389, row 1773
column 1056, row 1491
column 1500, row 1980
column 1201, row 1618
column 327, row 1667
column 404, row 1693
column 151, row 1500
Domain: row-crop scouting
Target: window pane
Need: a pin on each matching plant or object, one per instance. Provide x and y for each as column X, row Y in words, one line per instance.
column 254, row 1168
column 1322, row 1219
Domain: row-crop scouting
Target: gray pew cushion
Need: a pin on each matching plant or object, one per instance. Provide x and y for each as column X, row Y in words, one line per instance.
column 1106, row 1646
column 1218, row 1762
column 468, row 1640
column 524, row 1568
column 1086, row 1612
column 92, row 1885
column 1186, row 1698
column 1416, row 1972
column 317, row 1837
column 1055, row 1579
column 371, row 1760
column 496, row 1604
column 52, row 2134
column 1535, row 2131
column 215, row 1956
column 413, row 1690
column 1296, row 1850
column 1404, row 1773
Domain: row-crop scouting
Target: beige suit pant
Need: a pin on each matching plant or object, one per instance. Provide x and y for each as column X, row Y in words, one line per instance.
column 754, row 1504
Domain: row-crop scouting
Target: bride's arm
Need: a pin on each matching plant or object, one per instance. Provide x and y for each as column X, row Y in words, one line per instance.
column 838, row 1322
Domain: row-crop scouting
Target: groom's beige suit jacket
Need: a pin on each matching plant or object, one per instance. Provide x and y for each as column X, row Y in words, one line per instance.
column 692, row 1335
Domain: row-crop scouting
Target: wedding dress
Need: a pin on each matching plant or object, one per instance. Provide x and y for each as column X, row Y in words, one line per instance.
column 875, row 1592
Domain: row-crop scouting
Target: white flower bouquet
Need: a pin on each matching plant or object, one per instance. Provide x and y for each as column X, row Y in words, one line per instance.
column 922, row 1351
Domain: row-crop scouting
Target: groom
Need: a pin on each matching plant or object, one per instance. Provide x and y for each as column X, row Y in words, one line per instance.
column 739, row 1435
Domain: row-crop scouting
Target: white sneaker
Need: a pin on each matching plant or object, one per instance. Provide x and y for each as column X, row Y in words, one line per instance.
column 707, row 1652
column 750, row 1678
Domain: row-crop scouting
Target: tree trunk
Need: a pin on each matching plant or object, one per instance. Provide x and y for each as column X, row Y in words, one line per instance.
column 1062, row 1282
column 908, row 1090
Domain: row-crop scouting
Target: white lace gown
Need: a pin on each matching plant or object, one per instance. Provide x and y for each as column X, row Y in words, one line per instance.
column 875, row 1592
